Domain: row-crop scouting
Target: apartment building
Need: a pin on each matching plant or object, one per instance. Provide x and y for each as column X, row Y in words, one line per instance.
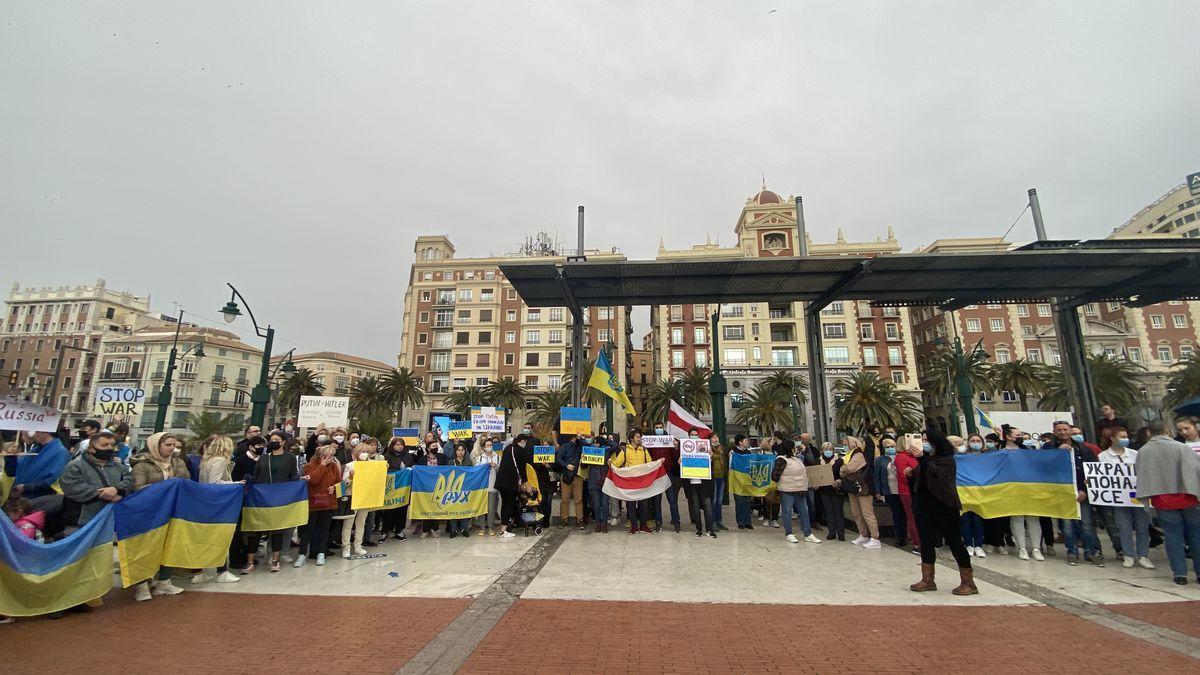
column 1175, row 213
column 465, row 325
column 335, row 371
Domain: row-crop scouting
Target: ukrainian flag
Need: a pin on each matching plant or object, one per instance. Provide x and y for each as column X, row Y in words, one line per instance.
column 42, row 578
column 750, row 474
column 410, row 435
column 275, row 506
column 605, row 380
column 449, row 492
column 399, row 489
column 1018, row 483
column 984, row 420
column 176, row 523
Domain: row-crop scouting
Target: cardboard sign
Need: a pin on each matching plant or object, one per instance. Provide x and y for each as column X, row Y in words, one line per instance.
column 368, row 484
column 1111, row 484
column 460, row 430
column 543, row 454
column 575, row 420
column 17, row 415
column 486, row 420
column 332, row 411
column 592, row 454
column 695, row 459
column 665, row 441
column 819, row 475
column 125, row 401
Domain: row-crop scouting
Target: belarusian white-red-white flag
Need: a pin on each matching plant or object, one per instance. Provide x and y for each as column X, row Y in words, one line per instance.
column 680, row 422
column 643, row 481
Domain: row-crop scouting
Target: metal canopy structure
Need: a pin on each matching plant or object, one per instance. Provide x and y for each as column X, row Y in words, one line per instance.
column 1068, row 273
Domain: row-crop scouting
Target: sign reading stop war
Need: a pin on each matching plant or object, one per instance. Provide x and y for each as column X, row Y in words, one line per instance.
column 125, row 401
column 332, row 411
column 1111, row 484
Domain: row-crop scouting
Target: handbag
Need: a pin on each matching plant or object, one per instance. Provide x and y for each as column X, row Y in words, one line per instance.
column 321, row 502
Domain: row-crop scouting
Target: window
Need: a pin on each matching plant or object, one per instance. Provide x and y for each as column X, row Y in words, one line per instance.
column 554, row 359
column 677, row 312
column 734, row 357
column 533, row 315
column 676, row 359
column 699, row 336
column 1089, row 309
column 734, row 333
column 445, row 297
column 510, row 315
column 483, row 360
column 973, row 325
column 867, row 331
column 985, row 397
column 1156, row 321
column 426, row 296
column 699, row 312
column 439, row 384
column 756, row 354
column 533, row 337
column 834, row 308
column 428, row 276
column 554, row 381
column 897, row 377
column 837, row 355
column 1002, row 355
column 754, row 329
column 734, row 311
column 487, row 294
column 892, row 330
column 510, row 293
column 481, row 382
column 1113, row 306
column 462, row 338
column 556, row 336
column 1008, row 396
column 869, row 357
column 992, row 305
column 532, row 359
column 1043, row 309
column 604, row 335
column 995, row 325
column 1185, row 351
column 895, row 357
column 1034, row 355
column 701, row 359
column 834, row 330
column 510, row 336
column 442, row 340
column 531, row 381
column 460, row 360
column 443, row 318
column 510, row 359
column 485, row 337
column 1179, row 320
column 1022, row 310
column 785, row 357
column 439, row 361
column 485, row 316
column 556, row 314
column 1135, row 354
column 1027, row 331
column 423, row 317
column 1164, row 353
column 464, row 316
column 676, row 336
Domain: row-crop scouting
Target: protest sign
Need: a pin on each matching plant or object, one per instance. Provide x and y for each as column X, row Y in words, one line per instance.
column 592, row 454
column 665, row 441
column 575, row 420
column 460, row 430
column 820, row 475
column 487, row 420
column 332, row 411
column 695, row 458
column 410, row 435
column 1111, row 484
column 543, row 454
column 125, row 401
column 17, row 415
column 368, row 485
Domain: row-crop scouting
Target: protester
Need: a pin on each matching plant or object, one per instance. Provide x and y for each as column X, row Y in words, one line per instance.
column 595, row 484
column 399, row 456
column 510, row 477
column 354, row 527
column 831, row 495
column 670, row 458
column 29, row 521
column 567, row 462
column 157, row 464
column 887, row 481
column 856, row 482
column 720, row 472
column 972, row 523
column 791, row 479
column 36, row 473
column 935, row 491
column 1078, row 533
column 484, row 453
column 460, row 527
column 249, row 435
column 699, row 493
column 546, row 485
column 275, row 467
column 1026, row 529
column 87, row 429
column 217, row 469
column 1108, row 419
column 1169, row 475
column 741, row 503
column 429, row 455
column 97, row 479
column 633, row 454
column 1189, row 432
column 906, row 458
column 769, row 503
column 1133, row 522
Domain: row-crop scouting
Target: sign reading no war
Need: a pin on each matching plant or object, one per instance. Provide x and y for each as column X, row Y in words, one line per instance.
column 125, row 401
column 332, row 411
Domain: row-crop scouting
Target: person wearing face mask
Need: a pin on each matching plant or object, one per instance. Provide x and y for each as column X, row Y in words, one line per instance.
column 510, row 476
column 905, row 459
column 354, row 527
column 277, row 466
column 633, row 454
column 86, row 490
column 935, row 492
column 342, row 454
column 972, row 523
column 217, row 469
column 595, row 485
column 318, row 437
column 957, row 443
column 830, row 496
column 160, row 462
column 484, row 452
column 857, row 470
column 398, row 457
column 430, row 455
column 1133, row 522
column 720, row 473
column 462, row 457
column 1026, row 530
column 567, row 461
column 889, row 489
column 741, row 503
column 1078, row 533
column 670, row 458
column 791, row 479
column 991, row 442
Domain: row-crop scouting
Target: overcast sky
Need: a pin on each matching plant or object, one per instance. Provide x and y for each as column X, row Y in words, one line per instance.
column 297, row 149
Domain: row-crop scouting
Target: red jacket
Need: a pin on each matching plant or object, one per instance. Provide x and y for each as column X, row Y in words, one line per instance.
column 320, row 478
column 903, row 460
column 669, row 456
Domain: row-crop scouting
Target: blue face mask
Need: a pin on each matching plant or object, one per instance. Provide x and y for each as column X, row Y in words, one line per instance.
column 991, row 445
column 1124, row 442
column 827, row 453
column 890, row 450
column 976, row 447
column 1031, row 444
column 927, row 447
column 1078, row 438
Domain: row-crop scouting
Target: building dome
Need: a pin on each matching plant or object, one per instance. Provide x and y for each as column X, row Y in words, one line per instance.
column 766, row 197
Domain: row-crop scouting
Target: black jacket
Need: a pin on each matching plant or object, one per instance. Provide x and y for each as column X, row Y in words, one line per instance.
column 511, row 472
column 397, row 461
column 937, row 478
column 422, row 458
column 276, row 469
column 243, row 467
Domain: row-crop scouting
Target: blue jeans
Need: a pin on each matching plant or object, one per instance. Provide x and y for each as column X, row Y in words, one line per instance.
column 899, row 522
column 741, row 510
column 1133, row 521
column 972, row 529
column 718, row 492
column 794, row 500
column 599, row 505
column 1081, row 533
column 811, row 498
column 672, row 501
column 1181, row 526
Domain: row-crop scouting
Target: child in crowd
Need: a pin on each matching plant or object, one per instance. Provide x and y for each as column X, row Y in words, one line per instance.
column 29, row 522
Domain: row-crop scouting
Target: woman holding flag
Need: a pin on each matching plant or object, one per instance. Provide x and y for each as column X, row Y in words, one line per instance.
column 275, row 467
column 159, row 463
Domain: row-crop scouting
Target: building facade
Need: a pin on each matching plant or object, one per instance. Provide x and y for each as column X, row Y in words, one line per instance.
column 50, row 339
column 1176, row 213
column 335, row 371
column 465, row 325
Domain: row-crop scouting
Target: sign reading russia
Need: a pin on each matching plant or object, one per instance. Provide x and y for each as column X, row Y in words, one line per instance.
column 18, row 415
column 125, row 401
column 449, row 492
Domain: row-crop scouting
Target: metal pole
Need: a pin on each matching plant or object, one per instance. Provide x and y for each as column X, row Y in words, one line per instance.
column 965, row 393
column 260, row 396
column 1036, row 207
column 802, row 245
column 164, row 396
column 579, row 247
column 816, row 374
column 577, row 385
column 716, row 382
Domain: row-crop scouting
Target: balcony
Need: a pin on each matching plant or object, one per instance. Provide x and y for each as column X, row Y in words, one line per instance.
column 120, row 377
column 241, row 382
column 183, row 400
column 187, row 376
column 158, row 375
column 444, row 300
column 218, row 379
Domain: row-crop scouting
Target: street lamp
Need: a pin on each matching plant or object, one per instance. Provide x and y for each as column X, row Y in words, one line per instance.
column 164, row 396
column 260, row 396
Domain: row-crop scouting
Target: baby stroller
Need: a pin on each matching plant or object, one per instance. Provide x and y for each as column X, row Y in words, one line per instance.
column 530, row 499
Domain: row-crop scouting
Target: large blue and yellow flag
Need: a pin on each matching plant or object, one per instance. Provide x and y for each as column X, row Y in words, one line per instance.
column 176, row 523
column 750, row 474
column 606, row 381
column 275, row 506
column 449, row 492
column 1018, row 483
column 40, row 578
column 399, row 489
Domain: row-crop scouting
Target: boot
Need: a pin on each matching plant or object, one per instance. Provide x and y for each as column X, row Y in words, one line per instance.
column 926, row 582
column 967, row 583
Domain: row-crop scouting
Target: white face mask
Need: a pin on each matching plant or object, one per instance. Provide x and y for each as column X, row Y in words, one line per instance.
column 322, row 438
column 353, row 442
column 339, row 438
column 288, row 428
column 363, row 456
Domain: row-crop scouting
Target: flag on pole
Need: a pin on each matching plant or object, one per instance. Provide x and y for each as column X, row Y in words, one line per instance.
column 606, row 381
column 984, row 420
column 642, row 481
column 680, row 422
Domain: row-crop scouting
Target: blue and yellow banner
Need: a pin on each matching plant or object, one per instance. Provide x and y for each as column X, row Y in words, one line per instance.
column 410, row 435
column 399, row 489
column 750, row 474
column 575, row 420
column 1018, row 483
column 449, row 492
column 543, row 454
column 40, row 578
column 176, row 523
column 604, row 380
column 275, row 506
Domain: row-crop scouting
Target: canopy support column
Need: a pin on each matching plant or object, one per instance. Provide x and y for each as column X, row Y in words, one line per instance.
column 819, row 393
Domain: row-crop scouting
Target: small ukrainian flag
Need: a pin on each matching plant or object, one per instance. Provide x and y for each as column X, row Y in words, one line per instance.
column 984, row 420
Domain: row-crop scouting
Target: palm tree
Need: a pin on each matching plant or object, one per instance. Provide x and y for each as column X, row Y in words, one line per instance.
column 506, row 393
column 1114, row 381
column 864, row 399
column 659, row 396
column 941, row 372
column 1023, row 377
column 546, row 409
column 303, row 382
column 1184, row 383
column 591, row 397
column 765, row 408
column 695, row 389
column 462, row 399
column 401, row 389
column 791, row 384
column 208, row 423
column 367, row 398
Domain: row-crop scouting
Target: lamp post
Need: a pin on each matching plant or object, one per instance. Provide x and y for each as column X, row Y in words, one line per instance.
column 260, row 396
column 164, row 396
column 287, row 367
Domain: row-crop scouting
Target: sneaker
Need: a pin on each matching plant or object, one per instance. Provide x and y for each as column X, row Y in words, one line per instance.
column 482, row 532
column 141, row 592
column 971, row 551
column 228, row 577
column 1050, row 551
column 1182, row 581
column 699, row 533
column 320, row 559
column 435, row 534
column 860, row 540
column 775, row 523
column 979, row 552
column 358, row 550
column 612, row 521
column 916, row 551
column 722, row 528
column 507, row 535
column 167, row 588
column 401, row 537
column 1127, row 563
column 274, row 566
column 873, row 543
column 1002, row 550
column 346, row 553
column 1093, row 560
column 812, row 539
column 453, row 534
column 205, row 576
column 424, row 535
column 285, row 558
column 791, row 538
column 300, row 560
column 1022, row 554
column 1145, row 563
column 6, row 619
column 1037, row 554
column 1072, row 559
column 712, row 534
column 248, row 569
